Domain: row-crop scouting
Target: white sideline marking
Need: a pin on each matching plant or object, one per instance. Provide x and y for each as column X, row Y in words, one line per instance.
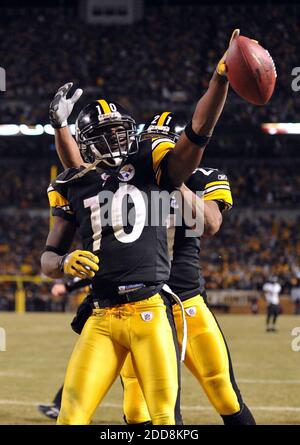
column 18, row 402
column 184, row 408
column 254, row 408
column 15, row 374
column 263, row 381
column 271, row 381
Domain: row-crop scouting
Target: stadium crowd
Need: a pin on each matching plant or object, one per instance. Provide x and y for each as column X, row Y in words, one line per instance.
column 247, row 251
column 263, row 184
column 165, row 60
column 242, row 256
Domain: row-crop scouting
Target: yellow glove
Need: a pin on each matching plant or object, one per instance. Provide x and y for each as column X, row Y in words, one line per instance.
column 221, row 67
column 80, row 263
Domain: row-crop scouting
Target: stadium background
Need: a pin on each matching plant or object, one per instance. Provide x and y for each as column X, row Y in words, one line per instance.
column 162, row 60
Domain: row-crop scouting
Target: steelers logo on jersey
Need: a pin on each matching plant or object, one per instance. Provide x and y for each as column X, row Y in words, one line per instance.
column 126, row 173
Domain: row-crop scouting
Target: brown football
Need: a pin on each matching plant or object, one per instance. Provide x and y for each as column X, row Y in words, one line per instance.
column 250, row 70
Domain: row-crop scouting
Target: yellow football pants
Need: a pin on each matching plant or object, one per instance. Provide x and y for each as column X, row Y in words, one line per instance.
column 141, row 328
column 206, row 357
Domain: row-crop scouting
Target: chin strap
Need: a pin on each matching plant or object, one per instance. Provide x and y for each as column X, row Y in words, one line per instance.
column 167, row 289
column 90, row 167
column 81, row 173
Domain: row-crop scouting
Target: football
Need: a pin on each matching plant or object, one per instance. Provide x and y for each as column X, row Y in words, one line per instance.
column 251, row 70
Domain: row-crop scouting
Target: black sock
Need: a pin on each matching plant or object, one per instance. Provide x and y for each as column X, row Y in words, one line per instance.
column 243, row 417
column 148, row 422
column 57, row 398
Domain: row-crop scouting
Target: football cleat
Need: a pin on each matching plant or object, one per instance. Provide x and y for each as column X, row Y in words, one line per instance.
column 50, row 411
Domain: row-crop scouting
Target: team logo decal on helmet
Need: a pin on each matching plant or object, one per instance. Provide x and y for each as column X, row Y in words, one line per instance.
column 105, row 131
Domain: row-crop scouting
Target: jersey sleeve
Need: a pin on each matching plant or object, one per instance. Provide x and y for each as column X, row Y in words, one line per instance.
column 58, row 201
column 266, row 287
column 160, row 149
column 214, row 184
column 77, row 283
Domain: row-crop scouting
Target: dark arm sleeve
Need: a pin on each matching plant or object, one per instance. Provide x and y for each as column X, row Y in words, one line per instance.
column 77, row 284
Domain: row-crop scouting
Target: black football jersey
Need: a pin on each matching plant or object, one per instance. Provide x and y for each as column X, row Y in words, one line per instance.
column 129, row 253
column 186, row 278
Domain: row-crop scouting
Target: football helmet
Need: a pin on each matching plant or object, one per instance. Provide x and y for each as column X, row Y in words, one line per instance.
column 163, row 124
column 105, row 132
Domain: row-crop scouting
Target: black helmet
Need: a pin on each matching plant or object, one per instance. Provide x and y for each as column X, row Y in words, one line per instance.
column 163, row 124
column 105, row 131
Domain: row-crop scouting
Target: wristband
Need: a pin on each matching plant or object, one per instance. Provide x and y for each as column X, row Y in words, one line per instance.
column 59, row 252
column 197, row 139
column 61, row 262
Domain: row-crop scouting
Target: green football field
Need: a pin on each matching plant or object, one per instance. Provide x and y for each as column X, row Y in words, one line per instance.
column 38, row 346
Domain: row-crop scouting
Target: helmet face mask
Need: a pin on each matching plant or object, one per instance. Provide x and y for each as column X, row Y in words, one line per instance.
column 106, row 137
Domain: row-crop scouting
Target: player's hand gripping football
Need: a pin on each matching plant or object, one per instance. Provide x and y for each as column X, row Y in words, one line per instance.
column 221, row 67
column 80, row 263
column 61, row 107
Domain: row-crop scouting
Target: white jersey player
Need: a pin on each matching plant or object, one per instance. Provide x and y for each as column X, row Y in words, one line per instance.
column 272, row 291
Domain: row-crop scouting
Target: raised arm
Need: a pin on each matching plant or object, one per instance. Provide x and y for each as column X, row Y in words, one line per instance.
column 208, row 212
column 59, row 112
column 204, row 198
column 188, row 151
column 67, row 148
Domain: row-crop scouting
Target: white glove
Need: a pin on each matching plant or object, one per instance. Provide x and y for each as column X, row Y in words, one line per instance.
column 61, row 107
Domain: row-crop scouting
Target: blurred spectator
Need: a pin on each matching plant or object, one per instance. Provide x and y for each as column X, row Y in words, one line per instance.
column 242, row 256
column 248, row 250
column 264, row 184
column 295, row 295
column 163, row 61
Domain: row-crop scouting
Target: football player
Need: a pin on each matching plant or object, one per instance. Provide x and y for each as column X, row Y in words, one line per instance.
column 130, row 309
column 207, row 354
column 271, row 290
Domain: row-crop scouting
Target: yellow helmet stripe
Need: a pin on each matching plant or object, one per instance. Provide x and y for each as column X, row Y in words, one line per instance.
column 104, row 105
column 163, row 117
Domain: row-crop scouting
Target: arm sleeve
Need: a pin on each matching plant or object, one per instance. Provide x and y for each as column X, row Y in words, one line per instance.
column 214, row 184
column 265, row 287
column 77, row 284
column 161, row 147
column 59, row 203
